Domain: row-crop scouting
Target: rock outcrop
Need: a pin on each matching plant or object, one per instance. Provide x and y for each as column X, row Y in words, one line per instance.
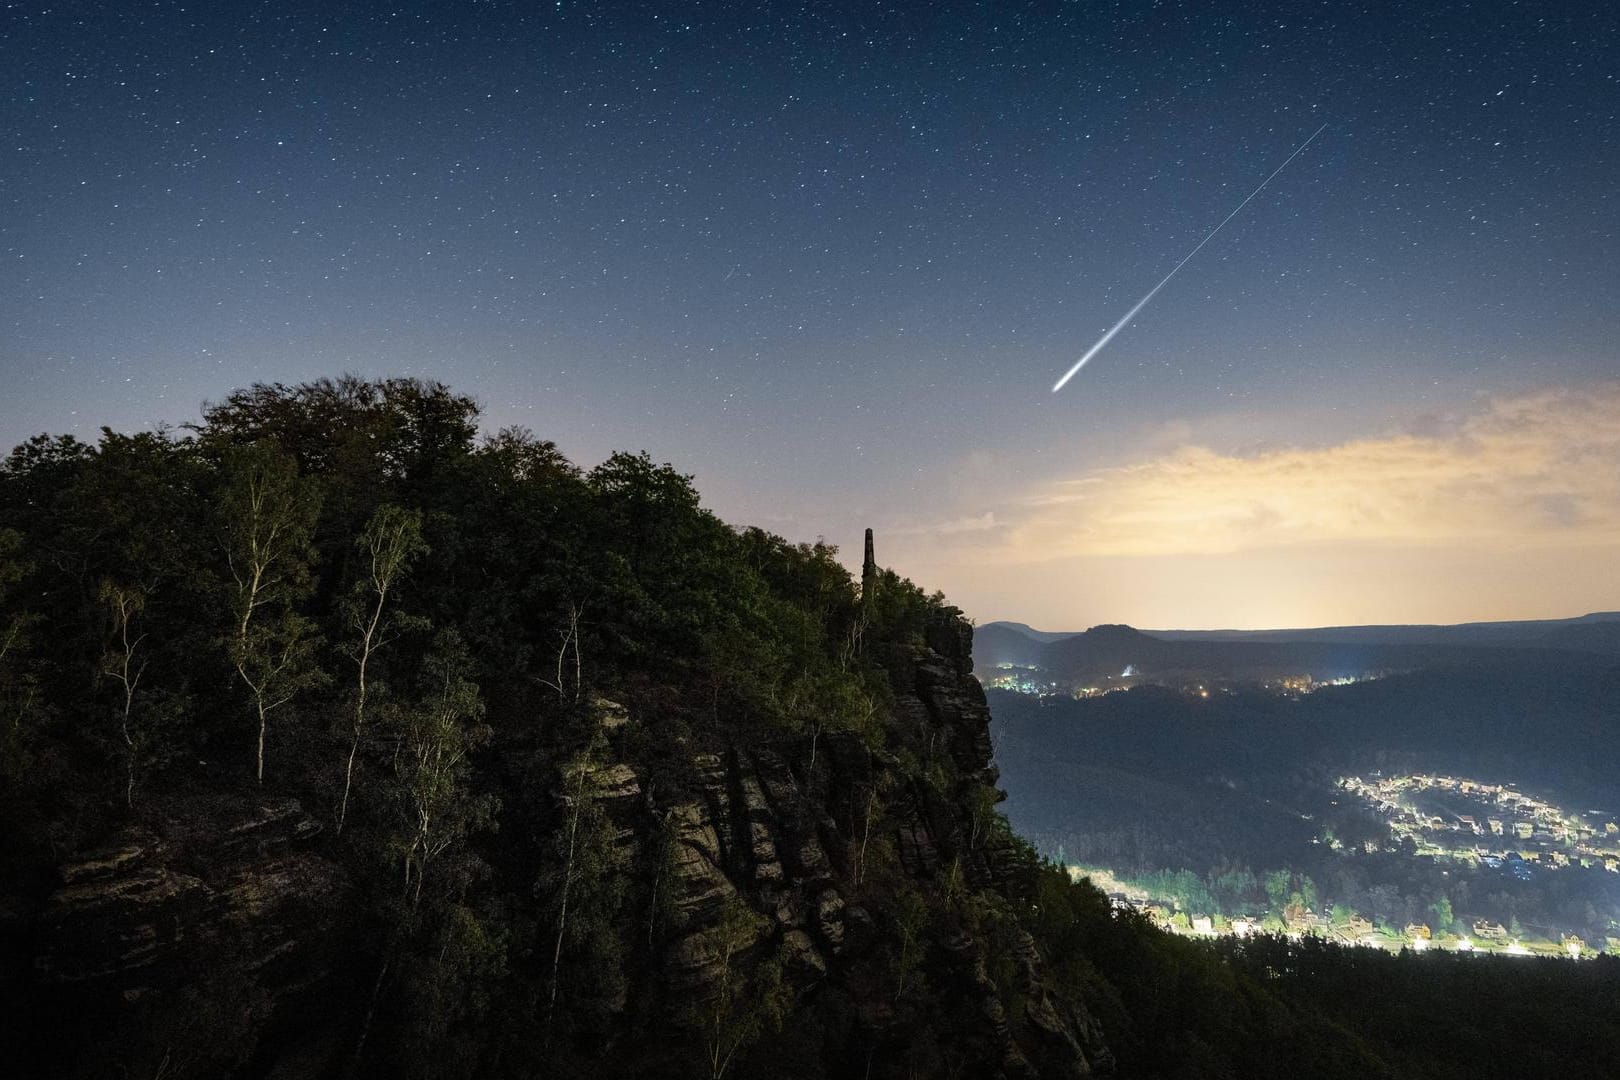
column 223, row 912
column 790, row 851
column 796, row 845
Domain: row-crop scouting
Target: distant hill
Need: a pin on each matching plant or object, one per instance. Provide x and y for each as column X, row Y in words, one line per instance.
column 1598, row 631
column 1598, row 637
column 1329, row 652
column 1114, row 650
column 1002, row 643
column 1521, row 632
column 1043, row 637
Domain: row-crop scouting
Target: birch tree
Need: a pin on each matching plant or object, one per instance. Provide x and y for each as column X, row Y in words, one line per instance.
column 392, row 539
column 267, row 514
column 124, row 665
column 437, row 807
column 910, row 919
column 18, row 689
column 568, row 642
column 587, row 889
column 866, row 813
column 746, row 1000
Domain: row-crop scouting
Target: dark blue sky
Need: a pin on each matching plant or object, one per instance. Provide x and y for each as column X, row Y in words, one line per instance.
column 830, row 257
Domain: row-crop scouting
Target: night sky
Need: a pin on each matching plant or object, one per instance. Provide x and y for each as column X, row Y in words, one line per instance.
column 831, row 257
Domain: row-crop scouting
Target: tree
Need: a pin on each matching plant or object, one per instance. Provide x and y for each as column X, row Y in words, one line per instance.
column 391, row 541
column 586, row 888
column 983, row 820
column 911, row 918
column 18, row 687
column 865, row 813
column 568, row 638
column 1443, row 915
column 122, row 667
column 365, row 432
column 745, row 1001
column 267, row 513
column 437, row 808
column 1277, row 888
column 661, row 853
column 441, row 953
column 449, row 980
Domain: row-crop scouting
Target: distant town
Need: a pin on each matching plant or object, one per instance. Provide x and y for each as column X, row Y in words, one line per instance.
column 1485, row 936
column 1503, row 828
column 1035, row 681
column 1445, row 819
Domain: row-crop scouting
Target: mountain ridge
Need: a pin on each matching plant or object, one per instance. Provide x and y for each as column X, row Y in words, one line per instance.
column 1515, row 629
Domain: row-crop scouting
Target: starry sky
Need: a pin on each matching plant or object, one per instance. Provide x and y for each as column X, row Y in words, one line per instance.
column 830, row 258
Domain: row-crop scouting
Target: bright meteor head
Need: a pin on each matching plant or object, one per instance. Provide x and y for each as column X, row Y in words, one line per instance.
column 1106, row 338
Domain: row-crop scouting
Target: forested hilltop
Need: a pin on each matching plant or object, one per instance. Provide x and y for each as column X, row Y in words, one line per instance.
column 339, row 741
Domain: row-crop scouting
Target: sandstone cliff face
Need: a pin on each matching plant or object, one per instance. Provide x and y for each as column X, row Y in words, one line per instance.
column 797, row 844
column 221, row 917
column 805, row 835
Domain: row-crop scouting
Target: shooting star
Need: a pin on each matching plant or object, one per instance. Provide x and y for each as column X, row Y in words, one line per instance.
column 1142, row 303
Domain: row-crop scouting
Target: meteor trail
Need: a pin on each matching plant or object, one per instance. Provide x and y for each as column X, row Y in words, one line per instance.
column 1140, row 304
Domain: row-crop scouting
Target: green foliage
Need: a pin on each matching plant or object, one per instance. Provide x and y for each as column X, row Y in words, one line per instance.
column 1444, row 917
column 19, row 692
column 435, row 807
column 390, row 542
column 266, row 515
column 746, row 999
column 449, row 980
column 898, row 610
column 584, row 887
column 145, row 717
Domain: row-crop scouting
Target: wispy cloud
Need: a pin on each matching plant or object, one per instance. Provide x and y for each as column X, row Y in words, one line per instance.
column 1533, row 471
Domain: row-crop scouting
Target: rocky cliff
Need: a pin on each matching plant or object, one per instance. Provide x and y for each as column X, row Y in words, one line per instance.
column 233, row 916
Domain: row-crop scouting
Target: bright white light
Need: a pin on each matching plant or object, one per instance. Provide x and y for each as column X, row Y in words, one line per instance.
column 1142, row 303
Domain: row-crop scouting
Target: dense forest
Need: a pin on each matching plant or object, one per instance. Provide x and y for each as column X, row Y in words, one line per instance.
column 338, row 739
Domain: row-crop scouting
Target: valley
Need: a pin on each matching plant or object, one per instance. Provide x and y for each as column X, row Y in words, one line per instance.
column 1461, row 805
